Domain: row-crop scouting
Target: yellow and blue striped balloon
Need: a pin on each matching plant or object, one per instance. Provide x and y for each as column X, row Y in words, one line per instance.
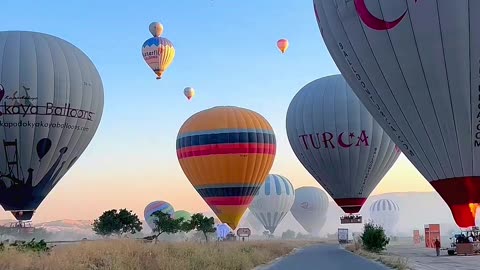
column 226, row 153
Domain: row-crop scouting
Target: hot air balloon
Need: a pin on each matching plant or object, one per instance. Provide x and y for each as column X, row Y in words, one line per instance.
column 223, row 230
column 310, row 208
column 273, row 201
column 414, row 64
column 338, row 141
column 158, row 52
column 189, row 92
column 155, row 206
column 226, row 153
column 282, row 45
column 386, row 214
column 182, row 214
column 51, row 99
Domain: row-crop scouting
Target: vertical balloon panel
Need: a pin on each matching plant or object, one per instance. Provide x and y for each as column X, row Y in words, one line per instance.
column 51, row 106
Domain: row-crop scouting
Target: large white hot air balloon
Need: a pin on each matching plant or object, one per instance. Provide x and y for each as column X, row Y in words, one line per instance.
column 273, row 201
column 310, row 208
column 385, row 213
column 415, row 65
column 338, row 141
column 51, row 98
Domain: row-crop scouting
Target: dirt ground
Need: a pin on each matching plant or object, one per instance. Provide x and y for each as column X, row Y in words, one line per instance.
column 420, row 258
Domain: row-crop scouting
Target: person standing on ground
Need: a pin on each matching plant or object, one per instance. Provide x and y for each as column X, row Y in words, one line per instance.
column 437, row 247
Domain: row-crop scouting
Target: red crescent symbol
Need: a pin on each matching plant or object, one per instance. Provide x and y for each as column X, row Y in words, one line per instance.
column 304, row 205
column 373, row 22
column 341, row 143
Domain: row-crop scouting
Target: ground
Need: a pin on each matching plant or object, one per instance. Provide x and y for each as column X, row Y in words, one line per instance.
column 420, row 258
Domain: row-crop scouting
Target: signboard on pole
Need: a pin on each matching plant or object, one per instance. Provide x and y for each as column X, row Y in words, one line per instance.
column 244, row 232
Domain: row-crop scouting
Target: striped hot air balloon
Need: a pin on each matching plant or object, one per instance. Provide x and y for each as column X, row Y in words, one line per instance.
column 273, row 201
column 386, row 214
column 226, row 153
column 154, row 207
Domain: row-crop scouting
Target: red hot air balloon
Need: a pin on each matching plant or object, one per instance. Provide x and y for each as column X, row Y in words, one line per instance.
column 282, row 45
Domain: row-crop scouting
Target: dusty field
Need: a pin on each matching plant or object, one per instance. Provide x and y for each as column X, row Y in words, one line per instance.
column 133, row 255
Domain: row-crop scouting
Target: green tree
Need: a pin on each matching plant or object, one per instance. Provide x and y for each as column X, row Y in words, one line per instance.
column 165, row 224
column 374, row 238
column 288, row 234
column 203, row 224
column 117, row 223
column 130, row 222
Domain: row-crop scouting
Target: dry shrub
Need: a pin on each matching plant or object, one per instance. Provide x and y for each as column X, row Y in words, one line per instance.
column 130, row 255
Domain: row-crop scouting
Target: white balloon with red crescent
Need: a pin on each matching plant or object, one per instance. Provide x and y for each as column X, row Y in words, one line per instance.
column 338, row 141
column 416, row 67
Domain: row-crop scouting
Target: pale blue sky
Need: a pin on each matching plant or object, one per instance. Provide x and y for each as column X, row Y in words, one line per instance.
column 225, row 49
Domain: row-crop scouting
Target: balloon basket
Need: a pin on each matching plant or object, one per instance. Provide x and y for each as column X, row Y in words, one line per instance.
column 351, row 219
column 22, row 226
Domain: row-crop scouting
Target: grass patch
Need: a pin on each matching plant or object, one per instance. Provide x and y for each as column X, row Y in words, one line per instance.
column 394, row 262
column 130, row 254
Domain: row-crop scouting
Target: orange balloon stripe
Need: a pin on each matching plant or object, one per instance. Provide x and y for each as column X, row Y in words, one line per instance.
column 229, row 169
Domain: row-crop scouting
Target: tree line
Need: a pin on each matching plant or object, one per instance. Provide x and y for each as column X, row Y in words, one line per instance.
column 123, row 222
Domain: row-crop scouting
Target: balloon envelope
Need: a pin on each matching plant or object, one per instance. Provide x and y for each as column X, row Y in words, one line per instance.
column 155, row 206
column 282, row 45
column 310, row 208
column 51, row 99
column 226, row 153
column 156, row 29
column 338, row 141
column 273, row 201
column 385, row 213
column 182, row 214
column 189, row 92
column 158, row 53
column 223, row 230
column 415, row 66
